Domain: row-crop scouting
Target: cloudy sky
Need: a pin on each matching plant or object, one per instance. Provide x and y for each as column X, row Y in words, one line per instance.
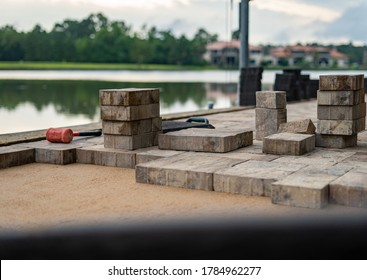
column 271, row 21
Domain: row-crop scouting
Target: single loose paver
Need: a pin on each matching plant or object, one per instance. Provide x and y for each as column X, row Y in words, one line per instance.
column 289, row 144
column 205, row 140
column 305, row 126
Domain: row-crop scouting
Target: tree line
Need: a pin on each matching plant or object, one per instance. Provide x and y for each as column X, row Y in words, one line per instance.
column 97, row 39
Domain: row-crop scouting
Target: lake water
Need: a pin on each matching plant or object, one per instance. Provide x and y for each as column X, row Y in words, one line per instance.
column 31, row 100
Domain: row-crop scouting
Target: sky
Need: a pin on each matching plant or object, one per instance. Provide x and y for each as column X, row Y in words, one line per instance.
column 271, row 21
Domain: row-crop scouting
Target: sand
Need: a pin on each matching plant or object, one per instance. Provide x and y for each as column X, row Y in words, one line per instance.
column 39, row 196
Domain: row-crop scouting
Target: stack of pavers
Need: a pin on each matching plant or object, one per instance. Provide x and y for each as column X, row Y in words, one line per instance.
column 297, row 85
column 130, row 118
column 341, row 110
column 270, row 112
column 250, row 83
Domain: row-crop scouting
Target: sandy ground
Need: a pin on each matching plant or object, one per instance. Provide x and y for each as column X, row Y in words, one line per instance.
column 38, row 196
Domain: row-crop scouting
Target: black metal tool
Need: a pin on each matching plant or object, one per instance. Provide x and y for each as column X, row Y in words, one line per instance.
column 192, row 122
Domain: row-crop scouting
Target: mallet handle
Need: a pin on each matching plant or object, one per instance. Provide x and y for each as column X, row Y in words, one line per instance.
column 88, row 133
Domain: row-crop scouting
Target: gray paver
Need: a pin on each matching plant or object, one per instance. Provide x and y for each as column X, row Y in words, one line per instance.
column 341, row 112
column 205, row 140
column 59, row 153
column 362, row 136
column 127, row 128
column 341, row 127
column 154, row 154
column 245, row 154
column 132, row 142
column 99, row 155
column 267, row 121
column 307, row 188
column 305, row 126
column 358, row 156
column 16, row 155
column 271, row 99
column 350, row 189
column 157, row 124
column 341, row 98
column 318, row 157
column 252, row 177
column 289, row 144
column 336, row 141
column 129, row 113
column 341, row 82
column 128, row 96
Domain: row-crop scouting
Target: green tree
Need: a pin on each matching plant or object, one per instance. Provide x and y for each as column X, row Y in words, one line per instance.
column 37, row 45
column 11, row 44
column 96, row 39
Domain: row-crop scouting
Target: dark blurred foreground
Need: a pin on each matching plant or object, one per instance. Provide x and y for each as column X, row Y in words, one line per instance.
column 256, row 238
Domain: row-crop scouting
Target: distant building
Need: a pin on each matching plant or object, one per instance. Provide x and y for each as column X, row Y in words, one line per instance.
column 307, row 55
column 227, row 54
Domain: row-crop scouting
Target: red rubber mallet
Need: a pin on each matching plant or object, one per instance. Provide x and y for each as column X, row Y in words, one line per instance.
column 65, row 135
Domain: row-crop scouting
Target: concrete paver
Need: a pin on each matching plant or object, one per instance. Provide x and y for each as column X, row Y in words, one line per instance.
column 340, row 98
column 336, row 141
column 154, row 153
column 186, row 170
column 205, row 140
column 305, row 126
column 350, row 189
column 60, row 153
column 308, row 187
column 16, row 155
column 253, row 177
column 341, row 82
column 289, row 144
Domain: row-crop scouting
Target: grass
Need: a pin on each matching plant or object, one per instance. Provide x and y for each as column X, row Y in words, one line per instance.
column 25, row 65
column 30, row 65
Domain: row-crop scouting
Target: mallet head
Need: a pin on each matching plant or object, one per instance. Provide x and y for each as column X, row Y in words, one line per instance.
column 59, row 135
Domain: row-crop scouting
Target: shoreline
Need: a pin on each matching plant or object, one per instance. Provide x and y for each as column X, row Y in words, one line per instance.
column 45, row 65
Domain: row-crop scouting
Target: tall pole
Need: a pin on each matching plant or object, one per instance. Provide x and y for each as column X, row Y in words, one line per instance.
column 244, row 27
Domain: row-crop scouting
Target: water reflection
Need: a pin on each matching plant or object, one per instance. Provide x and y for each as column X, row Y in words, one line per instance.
column 37, row 104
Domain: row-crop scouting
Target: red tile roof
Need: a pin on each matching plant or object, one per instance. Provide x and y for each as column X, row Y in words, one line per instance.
column 220, row 45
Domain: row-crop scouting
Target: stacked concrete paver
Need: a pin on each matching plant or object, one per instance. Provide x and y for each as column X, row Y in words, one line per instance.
column 130, row 123
column 130, row 118
column 294, row 138
column 304, row 126
column 206, row 140
column 292, row 144
column 270, row 112
column 341, row 110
